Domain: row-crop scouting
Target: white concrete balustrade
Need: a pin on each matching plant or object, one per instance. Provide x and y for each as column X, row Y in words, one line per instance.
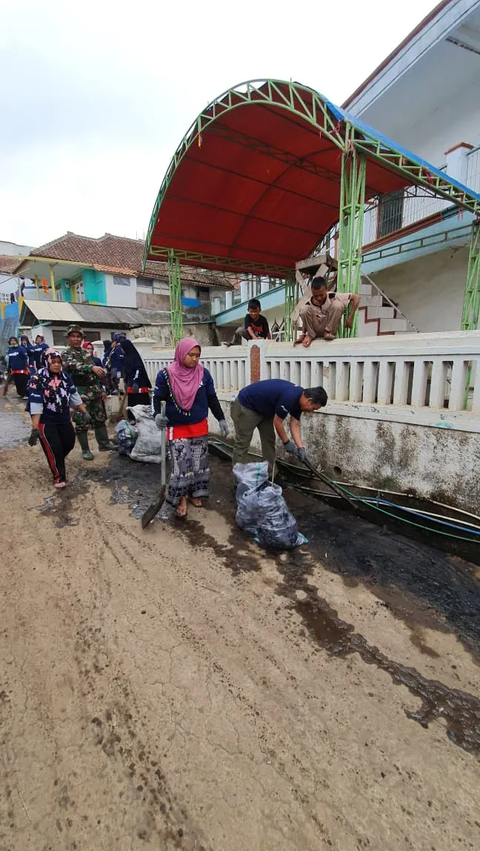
column 230, row 367
column 424, row 379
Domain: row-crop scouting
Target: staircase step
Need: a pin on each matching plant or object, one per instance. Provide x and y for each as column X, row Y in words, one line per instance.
column 399, row 325
column 380, row 313
column 373, row 300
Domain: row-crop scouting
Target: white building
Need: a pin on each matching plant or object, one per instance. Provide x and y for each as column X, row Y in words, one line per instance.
column 425, row 96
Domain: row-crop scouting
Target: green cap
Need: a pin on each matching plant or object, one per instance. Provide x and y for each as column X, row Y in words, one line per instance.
column 72, row 328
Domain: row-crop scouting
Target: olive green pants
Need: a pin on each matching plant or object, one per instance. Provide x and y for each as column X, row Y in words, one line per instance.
column 246, row 422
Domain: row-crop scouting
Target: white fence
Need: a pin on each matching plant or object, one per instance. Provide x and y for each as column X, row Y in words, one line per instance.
column 230, row 367
column 427, row 379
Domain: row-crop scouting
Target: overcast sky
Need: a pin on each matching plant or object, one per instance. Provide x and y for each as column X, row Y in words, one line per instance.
column 96, row 95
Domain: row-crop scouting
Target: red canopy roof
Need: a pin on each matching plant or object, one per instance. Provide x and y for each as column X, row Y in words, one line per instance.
column 257, row 180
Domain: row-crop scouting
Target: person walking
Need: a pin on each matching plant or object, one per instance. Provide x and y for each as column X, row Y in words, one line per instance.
column 137, row 382
column 51, row 395
column 265, row 405
column 87, row 378
column 25, row 342
column 188, row 389
column 38, row 351
column 18, row 367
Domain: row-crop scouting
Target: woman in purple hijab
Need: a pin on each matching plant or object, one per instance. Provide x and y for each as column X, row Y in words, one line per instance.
column 188, row 389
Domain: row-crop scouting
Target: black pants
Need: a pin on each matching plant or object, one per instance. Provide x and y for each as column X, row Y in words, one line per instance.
column 138, row 399
column 21, row 382
column 57, row 442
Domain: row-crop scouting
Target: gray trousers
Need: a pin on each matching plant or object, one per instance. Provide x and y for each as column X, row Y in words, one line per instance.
column 238, row 335
column 246, row 422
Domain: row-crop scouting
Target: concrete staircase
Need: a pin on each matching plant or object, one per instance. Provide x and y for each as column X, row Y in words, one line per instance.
column 376, row 317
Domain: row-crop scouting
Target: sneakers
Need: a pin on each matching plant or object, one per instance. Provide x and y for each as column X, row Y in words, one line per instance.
column 59, row 484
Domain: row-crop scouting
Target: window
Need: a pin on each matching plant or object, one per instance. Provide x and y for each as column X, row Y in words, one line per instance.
column 203, row 293
column 121, row 281
column 146, row 283
column 390, row 213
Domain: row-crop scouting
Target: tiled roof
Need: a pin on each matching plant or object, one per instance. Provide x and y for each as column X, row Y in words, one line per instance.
column 120, row 255
column 7, row 264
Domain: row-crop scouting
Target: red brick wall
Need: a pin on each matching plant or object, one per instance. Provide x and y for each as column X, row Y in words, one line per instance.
column 254, row 363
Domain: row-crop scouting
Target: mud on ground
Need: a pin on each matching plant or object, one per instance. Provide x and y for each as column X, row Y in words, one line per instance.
column 181, row 688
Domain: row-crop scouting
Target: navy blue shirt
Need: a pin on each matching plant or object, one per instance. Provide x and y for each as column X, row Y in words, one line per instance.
column 55, row 400
column 37, row 353
column 273, row 397
column 206, row 398
column 18, row 359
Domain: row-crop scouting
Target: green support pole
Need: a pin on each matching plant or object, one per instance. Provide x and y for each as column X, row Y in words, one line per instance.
column 350, row 231
column 175, row 284
column 289, row 306
column 471, row 301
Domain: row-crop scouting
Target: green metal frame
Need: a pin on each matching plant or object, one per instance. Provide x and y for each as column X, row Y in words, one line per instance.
column 290, row 288
column 175, row 284
column 199, row 258
column 350, row 233
column 471, row 302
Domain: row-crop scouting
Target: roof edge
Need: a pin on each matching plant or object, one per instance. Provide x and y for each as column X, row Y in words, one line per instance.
column 398, row 49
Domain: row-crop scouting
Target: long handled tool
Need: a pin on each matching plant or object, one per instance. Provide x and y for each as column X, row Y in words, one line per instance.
column 338, row 490
column 155, row 507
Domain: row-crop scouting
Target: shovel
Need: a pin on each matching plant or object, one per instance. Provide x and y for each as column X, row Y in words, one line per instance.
column 155, row 507
column 339, row 491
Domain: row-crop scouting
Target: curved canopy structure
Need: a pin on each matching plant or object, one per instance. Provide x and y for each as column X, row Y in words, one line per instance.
column 257, row 181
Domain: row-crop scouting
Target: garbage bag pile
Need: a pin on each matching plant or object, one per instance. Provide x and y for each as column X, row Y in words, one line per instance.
column 262, row 510
column 147, row 445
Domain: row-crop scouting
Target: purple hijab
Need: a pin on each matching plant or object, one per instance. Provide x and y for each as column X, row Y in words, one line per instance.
column 184, row 381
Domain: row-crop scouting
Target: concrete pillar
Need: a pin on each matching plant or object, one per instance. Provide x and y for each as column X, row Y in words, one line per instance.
column 228, row 300
column 244, row 291
column 457, row 161
column 216, row 305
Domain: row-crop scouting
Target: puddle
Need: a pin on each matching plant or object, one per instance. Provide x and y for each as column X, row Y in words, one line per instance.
column 459, row 710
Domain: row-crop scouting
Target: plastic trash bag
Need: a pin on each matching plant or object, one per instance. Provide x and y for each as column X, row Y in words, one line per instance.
column 127, row 434
column 262, row 510
column 147, row 444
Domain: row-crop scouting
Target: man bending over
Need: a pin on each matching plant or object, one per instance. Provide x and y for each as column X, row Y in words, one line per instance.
column 265, row 405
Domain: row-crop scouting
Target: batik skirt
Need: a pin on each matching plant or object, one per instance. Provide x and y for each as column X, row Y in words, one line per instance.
column 190, row 468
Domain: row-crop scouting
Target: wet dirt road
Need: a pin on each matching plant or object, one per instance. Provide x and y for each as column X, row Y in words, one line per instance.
column 180, row 688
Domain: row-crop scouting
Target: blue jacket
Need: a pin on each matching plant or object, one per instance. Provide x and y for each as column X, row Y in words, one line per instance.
column 37, row 353
column 18, row 359
column 206, row 398
column 52, row 399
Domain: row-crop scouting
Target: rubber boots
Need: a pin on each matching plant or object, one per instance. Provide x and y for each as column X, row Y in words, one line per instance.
column 104, row 444
column 82, row 437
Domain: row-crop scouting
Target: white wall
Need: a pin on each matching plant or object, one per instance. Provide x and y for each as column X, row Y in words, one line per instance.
column 121, row 296
column 12, row 248
column 429, row 290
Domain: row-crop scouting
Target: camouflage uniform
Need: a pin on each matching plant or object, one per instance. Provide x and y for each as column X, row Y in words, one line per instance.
column 78, row 364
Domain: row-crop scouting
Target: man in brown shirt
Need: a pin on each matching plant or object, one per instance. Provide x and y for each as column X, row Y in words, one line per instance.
column 322, row 314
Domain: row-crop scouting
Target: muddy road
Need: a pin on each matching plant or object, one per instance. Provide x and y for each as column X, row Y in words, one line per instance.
column 180, row 688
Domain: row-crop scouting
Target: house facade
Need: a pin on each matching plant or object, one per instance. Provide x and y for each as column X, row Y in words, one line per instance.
column 83, row 272
column 415, row 246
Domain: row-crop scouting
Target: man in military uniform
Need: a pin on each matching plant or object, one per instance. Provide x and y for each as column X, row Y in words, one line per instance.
column 87, row 378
